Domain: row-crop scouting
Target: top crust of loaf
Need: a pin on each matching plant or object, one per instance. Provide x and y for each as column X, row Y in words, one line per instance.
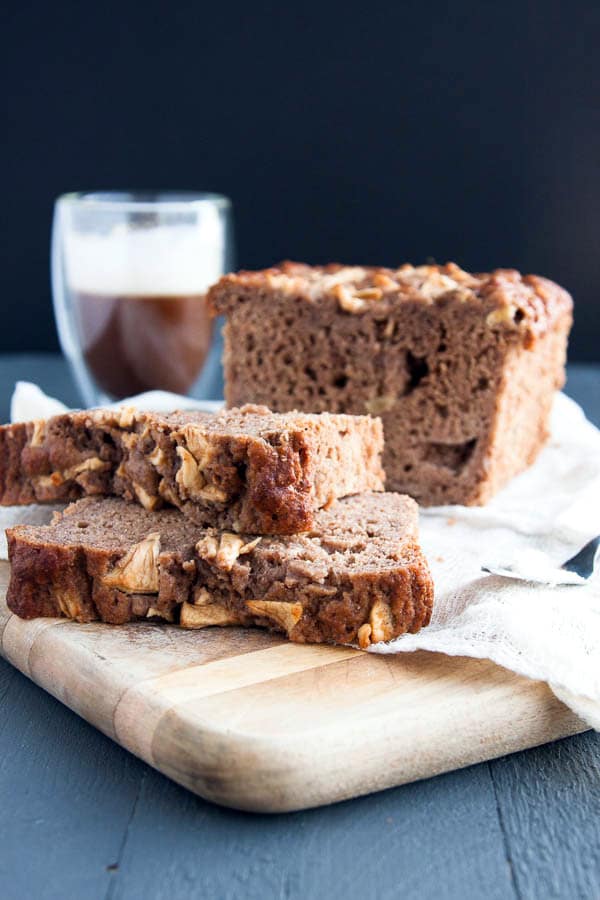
column 528, row 304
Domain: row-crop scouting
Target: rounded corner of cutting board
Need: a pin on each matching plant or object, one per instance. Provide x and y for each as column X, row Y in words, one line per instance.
column 250, row 773
column 351, row 728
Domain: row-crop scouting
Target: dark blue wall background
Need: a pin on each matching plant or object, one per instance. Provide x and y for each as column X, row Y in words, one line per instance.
column 373, row 132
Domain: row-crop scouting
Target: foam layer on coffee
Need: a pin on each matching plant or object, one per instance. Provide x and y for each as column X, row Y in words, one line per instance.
column 158, row 261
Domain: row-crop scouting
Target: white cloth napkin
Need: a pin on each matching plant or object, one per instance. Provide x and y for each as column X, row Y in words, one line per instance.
column 546, row 633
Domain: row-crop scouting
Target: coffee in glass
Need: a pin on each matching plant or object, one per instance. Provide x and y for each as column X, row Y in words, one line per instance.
column 130, row 272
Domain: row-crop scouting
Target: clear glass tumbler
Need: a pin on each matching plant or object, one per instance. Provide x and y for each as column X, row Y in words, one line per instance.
column 129, row 277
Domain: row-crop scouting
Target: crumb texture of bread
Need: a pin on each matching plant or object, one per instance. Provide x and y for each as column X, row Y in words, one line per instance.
column 462, row 368
column 247, row 470
column 358, row 577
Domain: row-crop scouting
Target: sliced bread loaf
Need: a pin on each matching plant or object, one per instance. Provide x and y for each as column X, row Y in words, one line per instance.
column 462, row 368
column 358, row 576
column 247, row 470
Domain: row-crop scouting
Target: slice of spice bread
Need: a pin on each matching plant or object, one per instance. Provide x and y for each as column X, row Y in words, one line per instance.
column 461, row 368
column 247, row 470
column 358, row 576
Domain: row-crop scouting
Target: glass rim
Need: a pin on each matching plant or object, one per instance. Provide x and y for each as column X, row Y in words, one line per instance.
column 143, row 200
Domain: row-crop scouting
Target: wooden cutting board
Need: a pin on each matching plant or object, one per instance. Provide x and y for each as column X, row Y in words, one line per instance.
column 246, row 719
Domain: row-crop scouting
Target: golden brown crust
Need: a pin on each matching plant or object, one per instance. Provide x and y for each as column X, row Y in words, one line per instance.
column 527, row 304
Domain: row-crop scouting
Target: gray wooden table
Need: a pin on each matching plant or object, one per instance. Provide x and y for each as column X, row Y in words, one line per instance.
column 82, row 818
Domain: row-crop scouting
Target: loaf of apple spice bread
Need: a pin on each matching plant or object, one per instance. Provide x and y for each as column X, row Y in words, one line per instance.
column 461, row 368
column 246, row 470
column 357, row 577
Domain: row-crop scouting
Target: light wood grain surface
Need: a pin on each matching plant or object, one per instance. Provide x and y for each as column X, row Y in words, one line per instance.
column 248, row 720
